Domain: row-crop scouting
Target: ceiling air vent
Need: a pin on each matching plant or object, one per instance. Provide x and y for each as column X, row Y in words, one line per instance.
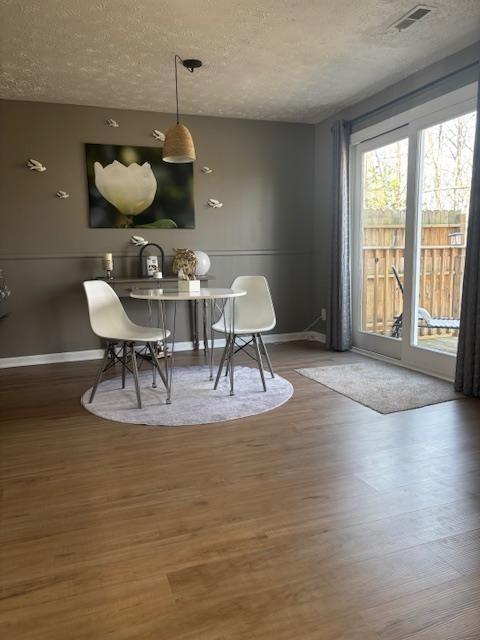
column 413, row 16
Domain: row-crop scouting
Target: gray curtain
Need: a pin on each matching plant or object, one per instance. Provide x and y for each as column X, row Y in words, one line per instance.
column 339, row 312
column 467, row 378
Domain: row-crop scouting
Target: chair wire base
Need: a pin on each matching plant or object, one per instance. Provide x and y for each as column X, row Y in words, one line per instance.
column 232, row 347
column 128, row 362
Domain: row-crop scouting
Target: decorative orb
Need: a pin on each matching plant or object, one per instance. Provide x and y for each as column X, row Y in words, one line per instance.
column 203, row 263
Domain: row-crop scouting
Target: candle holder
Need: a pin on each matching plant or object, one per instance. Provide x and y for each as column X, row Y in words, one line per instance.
column 108, row 265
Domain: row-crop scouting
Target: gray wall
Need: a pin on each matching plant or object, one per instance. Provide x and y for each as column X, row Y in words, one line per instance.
column 263, row 172
column 323, row 146
column 274, row 178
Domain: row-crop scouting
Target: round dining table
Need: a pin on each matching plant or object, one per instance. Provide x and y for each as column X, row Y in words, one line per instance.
column 212, row 297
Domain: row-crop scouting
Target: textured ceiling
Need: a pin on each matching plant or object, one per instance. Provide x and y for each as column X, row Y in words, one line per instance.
column 296, row 60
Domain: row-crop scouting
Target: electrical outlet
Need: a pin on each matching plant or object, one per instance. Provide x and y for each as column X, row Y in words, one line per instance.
column 324, row 314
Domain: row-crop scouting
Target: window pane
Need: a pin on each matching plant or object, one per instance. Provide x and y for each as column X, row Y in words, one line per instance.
column 384, row 194
column 447, row 158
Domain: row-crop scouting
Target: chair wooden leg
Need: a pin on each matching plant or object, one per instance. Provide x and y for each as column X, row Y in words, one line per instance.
column 264, row 348
column 151, row 348
column 222, row 361
column 229, row 356
column 231, row 362
column 259, row 361
column 135, row 374
column 124, row 368
column 156, row 364
column 100, row 372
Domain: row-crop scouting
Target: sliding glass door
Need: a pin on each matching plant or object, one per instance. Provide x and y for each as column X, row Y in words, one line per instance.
column 410, row 215
column 446, row 161
column 379, row 231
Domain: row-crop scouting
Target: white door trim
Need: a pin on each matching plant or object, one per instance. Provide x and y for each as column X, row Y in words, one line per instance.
column 425, row 110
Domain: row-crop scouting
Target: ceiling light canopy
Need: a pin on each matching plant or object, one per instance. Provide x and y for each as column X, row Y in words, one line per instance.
column 178, row 147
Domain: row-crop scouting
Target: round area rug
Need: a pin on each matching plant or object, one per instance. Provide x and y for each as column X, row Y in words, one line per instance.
column 193, row 399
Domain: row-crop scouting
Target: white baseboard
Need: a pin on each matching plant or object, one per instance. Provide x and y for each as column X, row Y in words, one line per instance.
column 50, row 358
column 96, row 354
column 316, row 336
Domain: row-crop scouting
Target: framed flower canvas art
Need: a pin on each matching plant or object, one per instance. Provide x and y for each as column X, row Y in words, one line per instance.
column 131, row 187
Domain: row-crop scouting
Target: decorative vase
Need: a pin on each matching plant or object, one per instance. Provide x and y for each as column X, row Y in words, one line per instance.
column 203, row 263
column 189, row 286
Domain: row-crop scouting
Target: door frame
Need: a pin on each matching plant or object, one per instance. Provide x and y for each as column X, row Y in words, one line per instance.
column 409, row 124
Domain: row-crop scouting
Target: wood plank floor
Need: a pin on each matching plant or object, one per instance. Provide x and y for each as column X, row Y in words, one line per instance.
column 321, row 520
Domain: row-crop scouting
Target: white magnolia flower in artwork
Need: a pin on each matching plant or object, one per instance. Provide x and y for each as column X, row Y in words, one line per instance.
column 206, row 170
column 158, row 135
column 112, row 123
column 35, row 165
column 62, row 195
column 215, row 204
column 130, row 189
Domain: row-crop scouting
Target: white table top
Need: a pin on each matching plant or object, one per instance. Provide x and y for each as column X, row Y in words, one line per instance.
column 204, row 294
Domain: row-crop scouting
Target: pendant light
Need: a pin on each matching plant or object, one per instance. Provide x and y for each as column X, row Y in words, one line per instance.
column 178, row 146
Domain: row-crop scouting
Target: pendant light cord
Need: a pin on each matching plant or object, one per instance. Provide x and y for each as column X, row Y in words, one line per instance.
column 190, row 65
column 177, row 57
column 176, row 83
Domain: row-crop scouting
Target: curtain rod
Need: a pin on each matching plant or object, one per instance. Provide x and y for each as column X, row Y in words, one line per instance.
column 412, row 93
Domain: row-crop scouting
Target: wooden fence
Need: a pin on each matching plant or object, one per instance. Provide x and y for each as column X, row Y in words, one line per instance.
column 440, row 286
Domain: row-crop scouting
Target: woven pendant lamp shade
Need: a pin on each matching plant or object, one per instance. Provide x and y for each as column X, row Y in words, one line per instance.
column 178, row 146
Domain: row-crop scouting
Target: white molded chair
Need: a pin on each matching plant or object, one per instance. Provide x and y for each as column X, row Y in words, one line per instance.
column 110, row 322
column 254, row 314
